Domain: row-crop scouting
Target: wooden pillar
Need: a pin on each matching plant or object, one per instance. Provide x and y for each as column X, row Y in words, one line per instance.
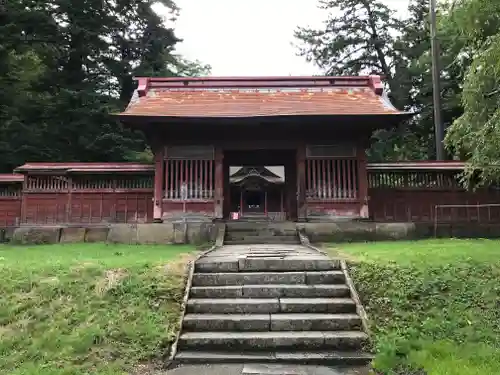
column 241, row 202
column 24, row 200
column 69, row 201
column 265, row 203
column 301, row 183
column 219, row 184
column 158, row 188
column 363, row 182
column 282, row 209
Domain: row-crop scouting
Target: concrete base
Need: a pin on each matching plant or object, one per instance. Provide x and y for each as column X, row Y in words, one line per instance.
column 166, row 233
column 199, row 232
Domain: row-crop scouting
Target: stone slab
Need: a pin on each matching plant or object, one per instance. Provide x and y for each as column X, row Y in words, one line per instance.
column 287, row 263
column 395, row 231
column 228, row 291
column 96, row 234
column 226, row 322
column 353, row 362
column 327, row 277
column 233, row 305
column 317, row 305
column 268, row 369
column 201, row 232
column 252, row 340
column 345, row 340
column 36, row 235
column 8, row 233
column 244, row 278
column 315, row 322
column 149, row 234
column 217, row 264
column 72, row 235
column 295, row 291
column 123, row 233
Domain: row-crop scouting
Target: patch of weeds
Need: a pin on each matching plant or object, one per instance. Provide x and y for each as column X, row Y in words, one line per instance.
column 433, row 313
column 86, row 310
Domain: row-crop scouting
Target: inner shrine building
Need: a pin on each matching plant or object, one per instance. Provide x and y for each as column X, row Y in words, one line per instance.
column 287, row 148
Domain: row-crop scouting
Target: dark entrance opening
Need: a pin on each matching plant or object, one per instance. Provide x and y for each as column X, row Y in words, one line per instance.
column 260, row 184
column 253, row 200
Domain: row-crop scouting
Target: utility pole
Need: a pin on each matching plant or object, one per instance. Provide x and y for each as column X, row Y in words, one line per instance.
column 436, row 86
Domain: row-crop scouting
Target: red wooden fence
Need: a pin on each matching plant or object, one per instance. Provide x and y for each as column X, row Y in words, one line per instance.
column 420, row 193
column 10, row 199
column 398, row 192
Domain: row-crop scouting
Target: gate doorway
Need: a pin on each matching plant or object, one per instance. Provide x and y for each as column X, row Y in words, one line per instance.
column 260, row 184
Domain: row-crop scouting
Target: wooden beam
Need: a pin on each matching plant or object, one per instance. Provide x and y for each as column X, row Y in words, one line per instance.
column 219, row 184
column 158, row 186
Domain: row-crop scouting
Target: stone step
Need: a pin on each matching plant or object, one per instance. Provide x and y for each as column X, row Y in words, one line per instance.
column 260, row 278
column 259, row 225
column 255, row 340
column 238, row 235
column 271, row 322
column 290, row 357
column 263, row 241
column 270, row 305
column 270, row 291
column 256, row 262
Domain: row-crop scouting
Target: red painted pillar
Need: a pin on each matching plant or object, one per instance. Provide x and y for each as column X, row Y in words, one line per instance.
column 301, row 183
column 363, row 183
column 158, row 188
column 219, row 184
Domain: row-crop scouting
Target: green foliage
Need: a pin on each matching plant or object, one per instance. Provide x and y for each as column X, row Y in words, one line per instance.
column 475, row 135
column 87, row 309
column 433, row 305
column 361, row 37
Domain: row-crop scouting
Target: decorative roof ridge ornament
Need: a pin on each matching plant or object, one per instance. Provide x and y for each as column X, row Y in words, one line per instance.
column 376, row 84
column 285, row 82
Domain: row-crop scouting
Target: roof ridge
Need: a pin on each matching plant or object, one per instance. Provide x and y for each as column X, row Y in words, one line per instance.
column 146, row 83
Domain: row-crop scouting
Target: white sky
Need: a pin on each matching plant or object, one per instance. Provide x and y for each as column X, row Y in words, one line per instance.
column 249, row 37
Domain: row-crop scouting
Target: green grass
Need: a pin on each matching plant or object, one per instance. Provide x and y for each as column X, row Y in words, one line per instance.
column 434, row 306
column 87, row 308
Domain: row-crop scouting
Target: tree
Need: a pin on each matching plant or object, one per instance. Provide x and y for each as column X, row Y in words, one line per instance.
column 475, row 135
column 358, row 40
column 367, row 38
column 66, row 69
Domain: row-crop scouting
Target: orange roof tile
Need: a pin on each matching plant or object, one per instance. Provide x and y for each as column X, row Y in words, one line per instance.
column 254, row 97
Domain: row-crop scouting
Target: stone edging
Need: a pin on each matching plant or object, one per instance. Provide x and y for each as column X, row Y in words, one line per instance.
column 191, row 265
column 354, row 294
column 221, row 233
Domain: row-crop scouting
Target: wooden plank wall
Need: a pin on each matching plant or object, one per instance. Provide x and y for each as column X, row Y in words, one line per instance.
column 87, row 199
column 429, row 196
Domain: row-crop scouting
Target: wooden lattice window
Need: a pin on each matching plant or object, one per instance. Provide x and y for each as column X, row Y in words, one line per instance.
column 190, row 179
column 47, row 183
column 332, row 179
column 135, row 182
column 99, row 182
column 414, row 179
column 10, row 190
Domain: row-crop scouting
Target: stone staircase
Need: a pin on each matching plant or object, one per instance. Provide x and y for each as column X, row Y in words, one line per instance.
column 270, row 303
column 264, row 232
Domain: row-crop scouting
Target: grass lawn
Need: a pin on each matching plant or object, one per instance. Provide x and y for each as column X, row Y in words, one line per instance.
column 87, row 308
column 434, row 305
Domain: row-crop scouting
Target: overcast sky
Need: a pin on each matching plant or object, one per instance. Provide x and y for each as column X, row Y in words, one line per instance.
column 249, row 37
